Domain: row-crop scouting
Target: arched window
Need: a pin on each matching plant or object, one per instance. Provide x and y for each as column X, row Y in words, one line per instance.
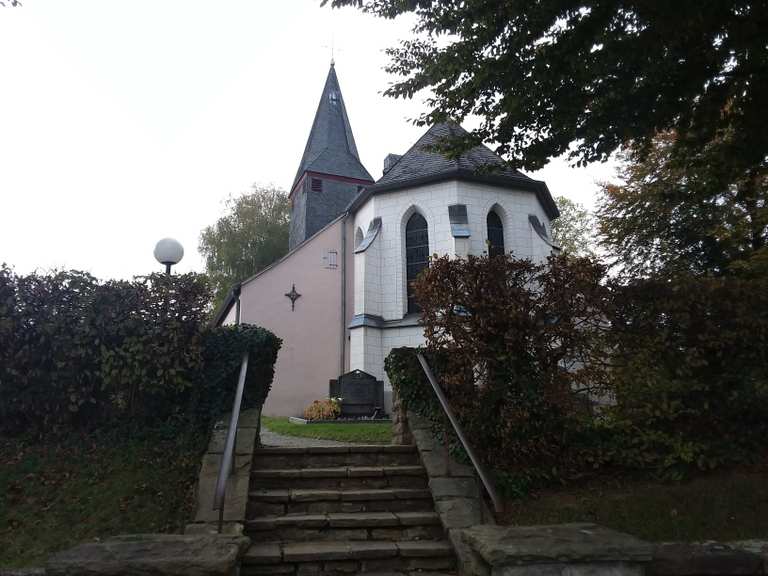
column 416, row 254
column 358, row 236
column 495, row 234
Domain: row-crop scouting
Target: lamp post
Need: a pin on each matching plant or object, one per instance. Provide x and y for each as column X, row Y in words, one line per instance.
column 168, row 251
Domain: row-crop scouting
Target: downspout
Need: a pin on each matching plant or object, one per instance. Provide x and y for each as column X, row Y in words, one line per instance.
column 343, row 333
column 236, row 294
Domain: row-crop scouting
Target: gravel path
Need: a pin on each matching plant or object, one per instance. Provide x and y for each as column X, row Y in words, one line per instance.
column 269, row 438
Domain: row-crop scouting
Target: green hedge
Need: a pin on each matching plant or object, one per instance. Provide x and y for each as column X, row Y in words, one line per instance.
column 412, row 387
column 223, row 350
column 557, row 372
column 79, row 353
column 690, row 373
column 502, row 335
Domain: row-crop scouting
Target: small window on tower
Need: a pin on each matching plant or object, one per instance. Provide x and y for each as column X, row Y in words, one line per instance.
column 316, row 185
column 333, row 98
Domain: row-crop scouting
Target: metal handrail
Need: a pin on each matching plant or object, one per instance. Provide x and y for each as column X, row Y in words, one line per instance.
column 228, row 456
column 484, row 478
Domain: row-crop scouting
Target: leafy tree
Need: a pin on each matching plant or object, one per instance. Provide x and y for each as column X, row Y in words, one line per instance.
column 249, row 237
column 688, row 213
column 574, row 230
column 689, row 371
column 584, row 77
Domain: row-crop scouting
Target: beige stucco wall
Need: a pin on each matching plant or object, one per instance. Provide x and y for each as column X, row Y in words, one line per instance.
column 310, row 355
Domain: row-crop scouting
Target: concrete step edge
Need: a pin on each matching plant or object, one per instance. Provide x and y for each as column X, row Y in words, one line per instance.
column 319, row 450
column 339, row 472
column 345, row 520
column 320, row 551
column 330, row 495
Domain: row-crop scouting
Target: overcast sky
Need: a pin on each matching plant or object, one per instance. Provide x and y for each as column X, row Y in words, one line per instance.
column 122, row 122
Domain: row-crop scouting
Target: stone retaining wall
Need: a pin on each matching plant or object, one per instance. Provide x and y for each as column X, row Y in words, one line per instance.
column 484, row 549
column 455, row 488
column 401, row 434
column 206, row 519
column 152, row 554
column 592, row 550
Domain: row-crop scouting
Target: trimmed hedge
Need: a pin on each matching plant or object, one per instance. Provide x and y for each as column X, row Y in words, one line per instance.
column 76, row 353
column 223, row 350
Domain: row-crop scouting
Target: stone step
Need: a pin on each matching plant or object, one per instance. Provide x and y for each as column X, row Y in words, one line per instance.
column 346, row 477
column 331, row 569
column 323, row 457
column 401, row 526
column 278, row 502
column 332, row 558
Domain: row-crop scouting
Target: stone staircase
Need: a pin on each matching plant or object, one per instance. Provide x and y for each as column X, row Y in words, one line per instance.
column 343, row 510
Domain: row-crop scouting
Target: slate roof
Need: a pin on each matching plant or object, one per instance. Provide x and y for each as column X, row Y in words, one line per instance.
column 419, row 161
column 331, row 146
column 480, row 164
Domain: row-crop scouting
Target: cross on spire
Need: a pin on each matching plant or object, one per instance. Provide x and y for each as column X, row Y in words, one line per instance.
column 332, row 48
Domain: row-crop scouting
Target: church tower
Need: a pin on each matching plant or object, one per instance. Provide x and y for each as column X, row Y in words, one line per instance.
column 330, row 174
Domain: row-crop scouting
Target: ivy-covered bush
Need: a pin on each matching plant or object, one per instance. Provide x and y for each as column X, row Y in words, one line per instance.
column 79, row 353
column 223, row 350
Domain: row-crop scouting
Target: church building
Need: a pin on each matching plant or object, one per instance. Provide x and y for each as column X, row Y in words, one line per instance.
column 342, row 297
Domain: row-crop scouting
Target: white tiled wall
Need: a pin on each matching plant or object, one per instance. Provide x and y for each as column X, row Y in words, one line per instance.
column 369, row 347
column 380, row 270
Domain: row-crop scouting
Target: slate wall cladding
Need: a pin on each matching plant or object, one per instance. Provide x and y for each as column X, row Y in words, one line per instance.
column 324, row 206
column 297, row 229
column 312, row 209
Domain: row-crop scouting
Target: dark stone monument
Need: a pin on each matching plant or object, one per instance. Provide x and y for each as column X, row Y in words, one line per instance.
column 362, row 396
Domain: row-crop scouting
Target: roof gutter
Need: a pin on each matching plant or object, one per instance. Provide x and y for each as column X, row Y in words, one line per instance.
column 524, row 183
column 343, row 332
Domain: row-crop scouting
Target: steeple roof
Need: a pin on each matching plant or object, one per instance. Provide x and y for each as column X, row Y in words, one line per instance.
column 331, row 146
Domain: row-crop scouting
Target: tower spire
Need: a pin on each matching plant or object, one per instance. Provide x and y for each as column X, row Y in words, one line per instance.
column 331, row 148
column 330, row 173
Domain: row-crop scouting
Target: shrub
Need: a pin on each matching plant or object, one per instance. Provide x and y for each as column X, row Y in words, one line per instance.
column 522, row 349
column 77, row 353
column 518, row 347
column 690, row 372
column 328, row 409
column 223, row 350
